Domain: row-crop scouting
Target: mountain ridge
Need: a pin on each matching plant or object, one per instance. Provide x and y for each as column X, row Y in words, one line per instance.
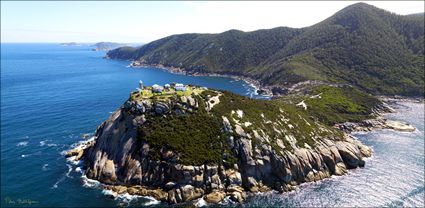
column 375, row 50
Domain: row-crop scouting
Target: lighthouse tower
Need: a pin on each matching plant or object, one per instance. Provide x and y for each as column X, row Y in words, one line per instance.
column 140, row 85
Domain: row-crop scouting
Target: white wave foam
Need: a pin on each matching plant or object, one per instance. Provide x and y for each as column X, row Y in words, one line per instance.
column 152, row 201
column 89, row 183
column 66, row 175
column 63, row 153
column 201, row 202
column 69, row 171
column 44, row 143
column 22, row 144
column 44, row 168
column 73, row 161
column 227, row 201
column 109, row 193
column 83, row 144
column 79, row 170
column 127, row 198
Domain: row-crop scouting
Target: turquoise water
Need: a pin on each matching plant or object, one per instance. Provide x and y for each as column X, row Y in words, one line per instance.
column 51, row 95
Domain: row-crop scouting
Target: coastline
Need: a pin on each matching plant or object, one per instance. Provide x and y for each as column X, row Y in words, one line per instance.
column 115, row 191
column 259, row 89
column 380, row 122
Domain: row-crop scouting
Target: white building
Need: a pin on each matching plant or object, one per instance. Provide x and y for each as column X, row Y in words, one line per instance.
column 180, row 87
column 157, row 88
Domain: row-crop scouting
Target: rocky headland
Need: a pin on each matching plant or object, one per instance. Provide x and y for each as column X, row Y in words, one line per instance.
column 214, row 146
column 106, row 46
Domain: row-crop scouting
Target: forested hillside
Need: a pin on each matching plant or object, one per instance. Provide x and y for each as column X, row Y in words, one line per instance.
column 375, row 50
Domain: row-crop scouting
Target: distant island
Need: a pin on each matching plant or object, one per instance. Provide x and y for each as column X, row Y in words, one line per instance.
column 106, row 46
column 70, row 44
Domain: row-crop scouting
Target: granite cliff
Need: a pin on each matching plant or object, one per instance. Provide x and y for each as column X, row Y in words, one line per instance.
column 214, row 145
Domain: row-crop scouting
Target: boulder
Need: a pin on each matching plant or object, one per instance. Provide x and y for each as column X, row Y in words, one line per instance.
column 108, row 172
column 399, row 126
column 348, row 156
column 215, row 197
column 118, row 189
column 239, row 130
column 236, row 196
column 172, row 198
column 189, row 193
column 161, row 108
column 198, row 180
column 170, row 185
column 192, row 102
column 234, row 188
column 132, row 190
column 158, row 194
column 340, row 169
column 73, row 152
column 233, row 177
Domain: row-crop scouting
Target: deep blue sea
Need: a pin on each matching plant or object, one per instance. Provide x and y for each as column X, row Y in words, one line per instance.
column 51, row 95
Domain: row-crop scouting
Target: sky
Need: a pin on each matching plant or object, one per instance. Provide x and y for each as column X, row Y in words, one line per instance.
column 142, row 22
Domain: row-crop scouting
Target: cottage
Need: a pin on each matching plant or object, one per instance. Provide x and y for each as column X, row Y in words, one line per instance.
column 167, row 86
column 157, row 88
column 180, row 87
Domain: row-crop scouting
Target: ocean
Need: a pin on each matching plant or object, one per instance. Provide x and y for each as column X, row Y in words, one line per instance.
column 51, row 95
column 392, row 177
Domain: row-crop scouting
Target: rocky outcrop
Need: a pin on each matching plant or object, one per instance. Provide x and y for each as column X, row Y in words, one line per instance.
column 121, row 160
column 377, row 123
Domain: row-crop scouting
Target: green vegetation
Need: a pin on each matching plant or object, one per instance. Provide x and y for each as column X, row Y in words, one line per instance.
column 126, row 53
column 275, row 118
column 166, row 94
column 197, row 137
column 374, row 50
column 333, row 105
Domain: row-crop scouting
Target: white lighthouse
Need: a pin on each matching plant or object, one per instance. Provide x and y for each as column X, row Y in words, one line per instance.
column 140, row 85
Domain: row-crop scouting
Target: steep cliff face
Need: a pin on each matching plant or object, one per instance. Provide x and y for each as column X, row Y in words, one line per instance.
column 156, row 147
